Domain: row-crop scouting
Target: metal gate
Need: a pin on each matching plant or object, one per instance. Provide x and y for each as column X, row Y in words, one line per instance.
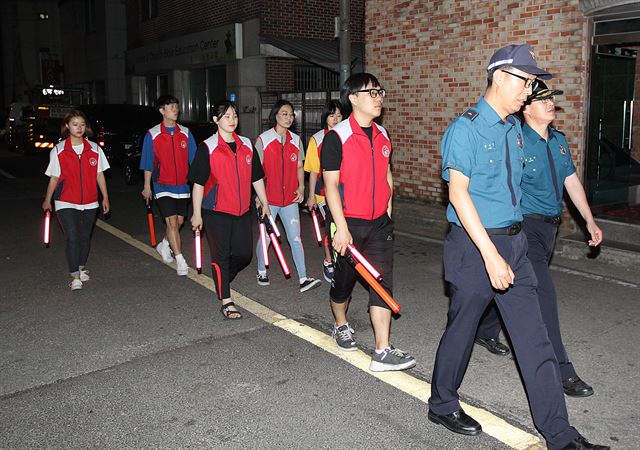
column 307, row 106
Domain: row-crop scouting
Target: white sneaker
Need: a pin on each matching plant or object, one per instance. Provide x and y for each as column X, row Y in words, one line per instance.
column 165, row 251
column 75, row 284
column 84, row 275
column 181, row 266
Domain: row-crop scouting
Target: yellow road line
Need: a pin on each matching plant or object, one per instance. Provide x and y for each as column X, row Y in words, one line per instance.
column 491, row 424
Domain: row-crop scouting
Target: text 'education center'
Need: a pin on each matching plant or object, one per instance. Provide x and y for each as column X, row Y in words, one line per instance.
column 431, row 56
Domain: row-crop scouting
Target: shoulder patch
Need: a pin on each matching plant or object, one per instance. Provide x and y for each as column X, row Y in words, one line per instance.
column 470, row 114
column 211, row 142
column 246, row 141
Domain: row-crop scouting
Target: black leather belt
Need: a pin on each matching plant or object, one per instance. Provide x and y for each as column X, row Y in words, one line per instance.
column 511, row 230
column 555, row 220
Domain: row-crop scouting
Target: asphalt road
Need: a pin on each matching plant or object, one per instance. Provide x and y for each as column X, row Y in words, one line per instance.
column 142, row 358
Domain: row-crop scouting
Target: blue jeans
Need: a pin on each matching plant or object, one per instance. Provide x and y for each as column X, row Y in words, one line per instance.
column 290, row 217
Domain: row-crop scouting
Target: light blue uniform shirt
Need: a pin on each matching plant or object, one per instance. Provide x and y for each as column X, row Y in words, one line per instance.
column 146, row 163
column 538, row 192
column 475, row 144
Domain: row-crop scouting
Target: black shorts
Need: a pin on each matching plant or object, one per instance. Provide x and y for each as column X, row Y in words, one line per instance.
column 170, row 206
column 374, row 239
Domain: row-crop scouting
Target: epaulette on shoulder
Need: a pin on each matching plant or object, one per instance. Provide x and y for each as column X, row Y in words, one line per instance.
column 557, row 131
column 470, row 114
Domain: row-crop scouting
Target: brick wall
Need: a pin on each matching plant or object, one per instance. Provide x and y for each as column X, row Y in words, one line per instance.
column 177, row 17
column 280, row 74
column 300, row 18
column 309, row 19
column 432, row 57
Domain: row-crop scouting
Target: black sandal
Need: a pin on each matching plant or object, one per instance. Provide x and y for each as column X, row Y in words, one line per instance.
column 228, row 313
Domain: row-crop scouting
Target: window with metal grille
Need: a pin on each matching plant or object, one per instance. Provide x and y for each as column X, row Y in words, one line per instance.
column 315, row 78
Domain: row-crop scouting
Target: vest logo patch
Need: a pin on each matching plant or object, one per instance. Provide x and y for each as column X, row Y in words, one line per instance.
column 386, row 151
column 183, row 144
column 248, row 159
column 563, row 151
column 93, row 161
column 293, row 157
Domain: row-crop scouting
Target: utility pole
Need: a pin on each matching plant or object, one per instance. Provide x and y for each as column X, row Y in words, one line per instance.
column 345, row 40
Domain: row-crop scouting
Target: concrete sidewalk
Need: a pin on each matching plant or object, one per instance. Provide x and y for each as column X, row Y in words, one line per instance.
column 618, row 257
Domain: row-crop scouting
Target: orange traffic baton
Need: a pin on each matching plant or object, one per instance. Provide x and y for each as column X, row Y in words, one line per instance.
column 152, row 228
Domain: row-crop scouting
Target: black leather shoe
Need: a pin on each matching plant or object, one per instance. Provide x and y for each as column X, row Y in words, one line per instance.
column 494, row 346
column 575, row 387
column 581, row 443
column 458, row 422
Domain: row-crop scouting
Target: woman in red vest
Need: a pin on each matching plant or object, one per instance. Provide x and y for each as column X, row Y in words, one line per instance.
column 282, row 155
column 76, row 170
column 224, row 168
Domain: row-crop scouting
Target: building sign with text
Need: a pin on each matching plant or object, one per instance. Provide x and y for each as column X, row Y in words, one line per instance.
column 215, row 46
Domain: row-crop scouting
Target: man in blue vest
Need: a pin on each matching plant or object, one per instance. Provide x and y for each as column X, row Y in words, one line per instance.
column 485, row 253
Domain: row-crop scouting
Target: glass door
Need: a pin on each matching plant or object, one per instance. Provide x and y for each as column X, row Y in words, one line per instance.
column 613, row 145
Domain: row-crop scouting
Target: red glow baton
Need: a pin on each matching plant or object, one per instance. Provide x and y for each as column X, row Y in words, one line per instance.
column 152, row 228
column 273, row 225
column 47, row 227
column 279, row 254
column 316, row 227
column 362, row 260
column 263, row 236
column 263, row 242
column 198, row 251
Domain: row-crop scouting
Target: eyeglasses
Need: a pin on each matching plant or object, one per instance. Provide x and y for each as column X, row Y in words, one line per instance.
column 375, row 92
column 285, row 114
column 528, row 82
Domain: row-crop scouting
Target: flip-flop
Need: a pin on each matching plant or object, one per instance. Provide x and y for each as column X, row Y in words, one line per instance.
column 226, row 312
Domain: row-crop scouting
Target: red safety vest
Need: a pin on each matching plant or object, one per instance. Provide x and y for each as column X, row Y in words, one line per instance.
column 363, row 171
column 280, row 163
column 170, row 155
column 78, row 173
column 228, row 188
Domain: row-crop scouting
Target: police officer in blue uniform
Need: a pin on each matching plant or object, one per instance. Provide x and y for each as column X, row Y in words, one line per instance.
column 485, row 253
column 548, row 168
column 548, row 171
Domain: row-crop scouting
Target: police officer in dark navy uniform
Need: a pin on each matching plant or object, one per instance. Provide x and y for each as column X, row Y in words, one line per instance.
column 485, row 253
column 548, row 169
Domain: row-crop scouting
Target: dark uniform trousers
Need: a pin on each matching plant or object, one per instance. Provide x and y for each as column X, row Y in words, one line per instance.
column 541, row 238
column 471, row 292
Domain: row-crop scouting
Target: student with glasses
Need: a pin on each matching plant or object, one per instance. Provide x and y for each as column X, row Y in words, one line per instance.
column 355, row 159
column 282, row 157
column 485, row 254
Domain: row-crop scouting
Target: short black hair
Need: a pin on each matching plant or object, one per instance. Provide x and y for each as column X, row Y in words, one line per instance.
column 165, row 100
column 493, row 71
column 276, row 108
column 221, row 107
column 331, row 107
column 353, row 84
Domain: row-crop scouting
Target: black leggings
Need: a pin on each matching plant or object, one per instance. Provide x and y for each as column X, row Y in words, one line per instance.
column 230, row 240
column 77, row 226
